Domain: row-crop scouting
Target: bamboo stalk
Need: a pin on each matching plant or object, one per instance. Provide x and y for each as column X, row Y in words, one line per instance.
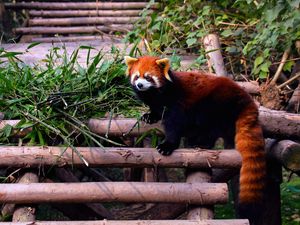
column 81, row 20
column 73, row 30
column 137, row 222
column 78, row 5
column 35, row 156
column 80, row 13
column 200, row 193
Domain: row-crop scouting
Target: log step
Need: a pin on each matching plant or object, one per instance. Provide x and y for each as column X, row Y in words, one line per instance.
column 82, row 13
column 69, row 21
column 74, row 29
column 78, row 5
column 72, row 39
column 135, row 222
column 134, row 192
column 35, row 156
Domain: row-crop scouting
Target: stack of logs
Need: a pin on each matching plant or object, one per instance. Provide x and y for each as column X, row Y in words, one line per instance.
column 76, row 20
column 171, row 198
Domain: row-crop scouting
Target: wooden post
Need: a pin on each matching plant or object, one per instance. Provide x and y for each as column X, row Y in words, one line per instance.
column 272, row 212
column 25, row 213
column 212, row 47
column 196, row 212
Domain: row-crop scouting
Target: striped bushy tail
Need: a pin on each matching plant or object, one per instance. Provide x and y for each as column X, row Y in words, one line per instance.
column 249, row 142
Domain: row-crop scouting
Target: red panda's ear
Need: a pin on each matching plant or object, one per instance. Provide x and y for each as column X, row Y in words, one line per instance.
column 129, row 62
column 165, row 65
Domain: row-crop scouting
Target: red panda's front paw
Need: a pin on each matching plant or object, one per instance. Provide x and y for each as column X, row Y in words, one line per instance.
column 150, row 118
column 166, row 148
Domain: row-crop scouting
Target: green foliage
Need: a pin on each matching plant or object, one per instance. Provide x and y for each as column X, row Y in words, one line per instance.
column 250, row 31
column 56, row 99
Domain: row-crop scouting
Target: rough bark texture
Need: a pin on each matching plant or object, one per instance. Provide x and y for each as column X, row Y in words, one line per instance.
column 138, row 222
column 280, row 124
column 115, row 191
column 212, row 46
column 78, row 5
column 73, row 29
column 117, row 157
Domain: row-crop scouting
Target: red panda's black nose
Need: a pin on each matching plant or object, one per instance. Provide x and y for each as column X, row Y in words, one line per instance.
column 140, row 85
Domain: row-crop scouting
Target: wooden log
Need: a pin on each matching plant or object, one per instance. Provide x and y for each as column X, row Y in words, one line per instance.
column 35, row 156
column 252, row 87
column 68, row 39
column 196, row 212
column 70, row 21
column 80, row 13
column 287, row 153
column 115, row 191
column 279, row 124
column 212, row 47
column 78, row 5
column 276, row 124
column 73, row 30
column 138, row 222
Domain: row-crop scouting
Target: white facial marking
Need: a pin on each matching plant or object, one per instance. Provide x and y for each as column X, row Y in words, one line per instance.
column 156, row 81
column 142, row 84
column 134, row 76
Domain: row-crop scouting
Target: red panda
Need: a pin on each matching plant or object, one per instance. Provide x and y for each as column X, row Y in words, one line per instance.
column 203, row 107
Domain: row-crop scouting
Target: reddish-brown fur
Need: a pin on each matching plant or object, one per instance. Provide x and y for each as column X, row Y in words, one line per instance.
column 226, row 96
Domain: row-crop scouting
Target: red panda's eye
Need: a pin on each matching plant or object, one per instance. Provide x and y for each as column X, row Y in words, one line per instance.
column 148, row 78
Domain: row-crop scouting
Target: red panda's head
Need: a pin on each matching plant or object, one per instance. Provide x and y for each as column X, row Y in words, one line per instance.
column 147, row 72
